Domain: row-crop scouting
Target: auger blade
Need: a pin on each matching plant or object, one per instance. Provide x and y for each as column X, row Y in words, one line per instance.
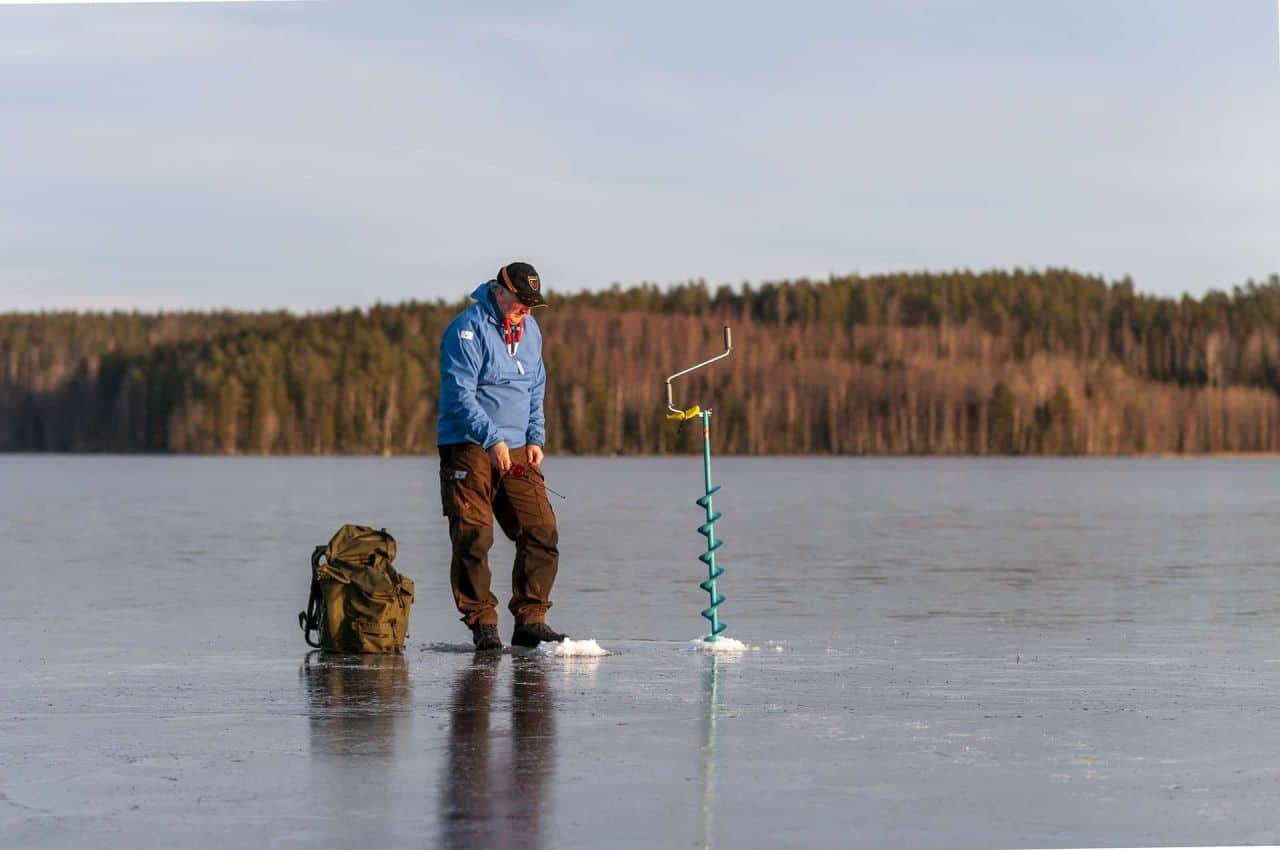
column 702, row 502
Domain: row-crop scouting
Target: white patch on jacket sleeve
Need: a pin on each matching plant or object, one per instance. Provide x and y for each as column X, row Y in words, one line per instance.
column 460, row 474
column 466, row 334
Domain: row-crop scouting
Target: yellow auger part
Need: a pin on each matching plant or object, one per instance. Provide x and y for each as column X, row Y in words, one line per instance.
column 685, row 415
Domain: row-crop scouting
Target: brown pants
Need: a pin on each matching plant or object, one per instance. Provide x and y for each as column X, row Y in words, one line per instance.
column 472, row 493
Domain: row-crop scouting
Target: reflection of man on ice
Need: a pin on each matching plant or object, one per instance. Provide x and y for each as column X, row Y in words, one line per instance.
column 492, row 795
column 491, row 435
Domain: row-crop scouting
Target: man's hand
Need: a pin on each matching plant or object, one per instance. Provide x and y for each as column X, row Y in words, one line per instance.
column 500, row 456
column 535, row 454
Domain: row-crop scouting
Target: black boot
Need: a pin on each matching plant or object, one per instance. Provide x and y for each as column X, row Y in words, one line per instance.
column 485, row 636
column 532, row 634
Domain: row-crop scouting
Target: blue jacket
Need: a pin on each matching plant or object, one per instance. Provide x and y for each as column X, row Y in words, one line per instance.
column 488, row 396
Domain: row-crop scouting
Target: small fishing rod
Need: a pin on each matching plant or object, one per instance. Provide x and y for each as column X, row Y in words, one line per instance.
column 520, row 471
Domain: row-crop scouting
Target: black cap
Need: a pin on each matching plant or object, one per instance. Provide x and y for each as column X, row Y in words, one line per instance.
column 522, row 280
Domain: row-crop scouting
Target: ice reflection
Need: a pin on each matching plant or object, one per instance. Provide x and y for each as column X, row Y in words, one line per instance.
column 711, row 709
column 359, row 709
column 494, row 795
column 357, row 702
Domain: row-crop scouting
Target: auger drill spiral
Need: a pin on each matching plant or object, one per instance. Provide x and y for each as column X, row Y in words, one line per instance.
column 707, row 529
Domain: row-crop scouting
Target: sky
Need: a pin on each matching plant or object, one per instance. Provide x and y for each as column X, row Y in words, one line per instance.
column 307, row 155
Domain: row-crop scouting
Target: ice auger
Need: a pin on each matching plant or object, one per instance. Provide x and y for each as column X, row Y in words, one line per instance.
column 707, row 529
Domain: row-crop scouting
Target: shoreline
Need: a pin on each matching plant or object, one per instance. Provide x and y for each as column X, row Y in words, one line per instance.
column 719, row 455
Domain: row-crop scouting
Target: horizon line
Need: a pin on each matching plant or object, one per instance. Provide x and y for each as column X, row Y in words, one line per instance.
column 102, row 310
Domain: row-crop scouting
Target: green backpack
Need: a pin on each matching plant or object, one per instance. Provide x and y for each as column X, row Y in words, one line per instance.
column 358, row 603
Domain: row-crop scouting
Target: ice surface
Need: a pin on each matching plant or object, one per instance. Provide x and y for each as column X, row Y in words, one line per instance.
column 563, row 649
column 449, row 646
column 978, row 653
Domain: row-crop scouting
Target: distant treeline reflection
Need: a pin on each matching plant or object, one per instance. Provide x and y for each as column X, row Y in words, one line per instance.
column 994, row 362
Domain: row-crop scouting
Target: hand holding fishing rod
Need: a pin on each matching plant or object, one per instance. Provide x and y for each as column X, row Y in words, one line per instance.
column 500, row 456
column 707, row 529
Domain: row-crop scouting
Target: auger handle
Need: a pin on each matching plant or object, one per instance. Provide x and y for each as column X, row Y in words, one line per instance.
column 678, row 414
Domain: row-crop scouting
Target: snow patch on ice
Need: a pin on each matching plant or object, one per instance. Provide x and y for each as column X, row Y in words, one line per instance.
column 720, row 644
column 571, row 649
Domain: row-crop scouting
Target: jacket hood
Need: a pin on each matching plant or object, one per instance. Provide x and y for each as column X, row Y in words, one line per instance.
column 482, row 297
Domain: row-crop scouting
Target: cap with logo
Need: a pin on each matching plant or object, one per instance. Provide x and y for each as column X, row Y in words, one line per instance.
column 522, row 280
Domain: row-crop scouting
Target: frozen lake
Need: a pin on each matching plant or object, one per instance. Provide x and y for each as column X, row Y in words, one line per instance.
column 974, row 653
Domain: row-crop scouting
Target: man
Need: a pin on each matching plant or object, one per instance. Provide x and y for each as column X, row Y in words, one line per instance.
column 491, row 435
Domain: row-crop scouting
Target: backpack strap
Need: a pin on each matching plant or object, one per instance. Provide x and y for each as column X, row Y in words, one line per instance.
column 309, row 620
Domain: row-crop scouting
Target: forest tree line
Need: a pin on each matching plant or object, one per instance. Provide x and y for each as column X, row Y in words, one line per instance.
column 994, row 362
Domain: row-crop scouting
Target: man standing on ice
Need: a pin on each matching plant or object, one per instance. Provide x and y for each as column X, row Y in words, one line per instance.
column 491, row 435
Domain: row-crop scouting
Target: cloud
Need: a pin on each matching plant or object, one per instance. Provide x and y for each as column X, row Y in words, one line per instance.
column 339, row 153
column 348, row 164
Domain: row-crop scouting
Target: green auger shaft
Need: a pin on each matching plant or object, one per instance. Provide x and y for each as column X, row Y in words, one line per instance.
column 708, row 531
